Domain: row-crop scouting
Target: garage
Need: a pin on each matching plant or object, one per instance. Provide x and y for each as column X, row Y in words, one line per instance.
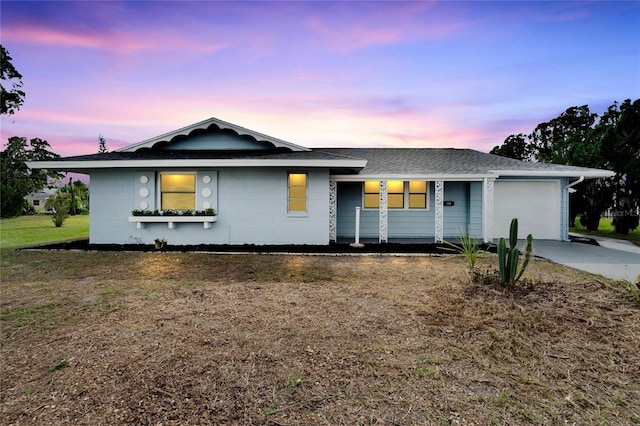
column 536, row 204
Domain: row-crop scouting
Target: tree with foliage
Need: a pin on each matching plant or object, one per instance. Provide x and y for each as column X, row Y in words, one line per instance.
column 10, row 100
column 574, row 138
column 621, row 146
column 59, row 205
column 77, row 191
column 102, row 145
column 515, row 146
column 16, row 179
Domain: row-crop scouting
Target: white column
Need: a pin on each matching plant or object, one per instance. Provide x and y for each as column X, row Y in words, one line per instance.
column 333, row 205
column 439, row 213
column 487, row 209
column 382, row 233
column 357, row 230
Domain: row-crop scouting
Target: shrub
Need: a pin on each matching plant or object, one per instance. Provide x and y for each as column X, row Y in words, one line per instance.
column 28, row 209
column 60, row 206
column 469, row 247
column 624, row 224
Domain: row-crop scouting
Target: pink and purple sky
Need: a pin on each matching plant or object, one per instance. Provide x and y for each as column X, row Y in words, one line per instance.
column 343, row 74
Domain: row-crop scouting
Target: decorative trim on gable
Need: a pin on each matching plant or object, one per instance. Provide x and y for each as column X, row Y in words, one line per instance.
column 213, row 123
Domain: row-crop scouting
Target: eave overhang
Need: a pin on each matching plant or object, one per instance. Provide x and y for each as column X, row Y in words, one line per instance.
column 378, row 177
column 86, row 166
column 492, row 174
column 587, row 173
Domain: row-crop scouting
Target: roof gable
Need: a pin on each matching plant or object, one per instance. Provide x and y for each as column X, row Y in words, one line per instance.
column 213, row 134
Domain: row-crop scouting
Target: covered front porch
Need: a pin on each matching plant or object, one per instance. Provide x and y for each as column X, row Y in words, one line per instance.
column 451, row 205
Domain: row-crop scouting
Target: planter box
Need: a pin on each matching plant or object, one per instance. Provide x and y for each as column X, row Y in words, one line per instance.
column 172, row 220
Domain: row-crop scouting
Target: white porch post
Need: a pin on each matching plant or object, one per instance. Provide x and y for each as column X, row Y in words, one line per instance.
column 487, row 209
column 333, row 205
column 382, row 233
column 439, row 213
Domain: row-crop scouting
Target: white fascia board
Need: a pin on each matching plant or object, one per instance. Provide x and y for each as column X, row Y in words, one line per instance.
column 361, row 178
column 199, row 163
column 587, row 173
column 203, row 125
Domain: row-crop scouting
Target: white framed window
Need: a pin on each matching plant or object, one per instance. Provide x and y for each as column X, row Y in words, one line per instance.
column 177, row 191
column 297, row 192
column 371, row 197
column 412, row 195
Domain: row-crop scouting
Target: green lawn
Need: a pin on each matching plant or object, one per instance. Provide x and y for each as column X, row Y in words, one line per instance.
column 606, row 229
column 25, row 231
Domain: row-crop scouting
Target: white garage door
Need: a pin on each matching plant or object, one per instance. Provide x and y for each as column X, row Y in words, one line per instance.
column 536, row 204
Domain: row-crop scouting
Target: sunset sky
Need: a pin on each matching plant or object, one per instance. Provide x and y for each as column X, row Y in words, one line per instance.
column 343, row 74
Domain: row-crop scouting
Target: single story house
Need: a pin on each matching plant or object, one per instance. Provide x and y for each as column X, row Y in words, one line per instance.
column 250, row 188
column 39, row 198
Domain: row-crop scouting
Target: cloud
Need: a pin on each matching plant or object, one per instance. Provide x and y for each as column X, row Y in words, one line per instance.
column 113, row 41
column 349, row 26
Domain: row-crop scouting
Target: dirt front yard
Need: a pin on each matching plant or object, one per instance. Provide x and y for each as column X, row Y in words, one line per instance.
column 177, row 338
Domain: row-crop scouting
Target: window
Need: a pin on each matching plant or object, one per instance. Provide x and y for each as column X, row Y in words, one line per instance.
column 395, row 194
column 177, row 191
column 36, row 202
column 417, row 194
column 400, row 194
column 371, row 195
column 297, row 193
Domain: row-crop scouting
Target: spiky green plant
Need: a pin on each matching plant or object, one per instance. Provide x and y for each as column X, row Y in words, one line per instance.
column 508, row 257
column 469, row 247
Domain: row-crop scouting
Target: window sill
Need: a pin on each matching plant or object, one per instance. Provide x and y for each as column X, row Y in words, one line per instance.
column 172, row 220
column 298, row 214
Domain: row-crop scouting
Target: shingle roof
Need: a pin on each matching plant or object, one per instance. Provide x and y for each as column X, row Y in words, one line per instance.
column 445, row 161
column 380, row 162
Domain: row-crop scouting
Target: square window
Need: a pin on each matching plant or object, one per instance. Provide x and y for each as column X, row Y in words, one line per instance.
column 177, row 191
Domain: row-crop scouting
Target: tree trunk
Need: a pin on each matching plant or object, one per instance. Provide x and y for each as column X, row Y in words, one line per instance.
column 72, row 208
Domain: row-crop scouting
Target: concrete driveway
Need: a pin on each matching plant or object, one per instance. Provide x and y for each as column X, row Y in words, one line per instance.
column 615, row 259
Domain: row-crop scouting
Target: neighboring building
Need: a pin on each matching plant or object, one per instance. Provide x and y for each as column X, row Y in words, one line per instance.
column 268, row 191
column 38, row 199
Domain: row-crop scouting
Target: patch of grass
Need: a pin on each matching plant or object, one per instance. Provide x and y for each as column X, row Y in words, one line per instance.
column 626, row 290
column 271, row 408
column 59, row 366
column 618, row 401
column 607, row 230
column 27, row 231
column 20, row 317
column 425, row 367
column 295, row 380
